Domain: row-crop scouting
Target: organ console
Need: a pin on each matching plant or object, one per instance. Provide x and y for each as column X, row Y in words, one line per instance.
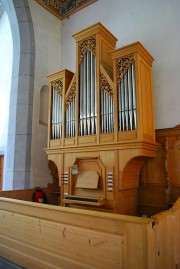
column 101, row 123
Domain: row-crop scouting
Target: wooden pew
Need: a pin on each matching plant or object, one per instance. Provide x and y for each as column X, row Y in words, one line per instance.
column 27, row 194
column 45, row 236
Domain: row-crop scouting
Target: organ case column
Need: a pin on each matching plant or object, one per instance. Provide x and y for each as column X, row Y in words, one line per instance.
column 133, row 83
column 58, row 85
column 93, row 47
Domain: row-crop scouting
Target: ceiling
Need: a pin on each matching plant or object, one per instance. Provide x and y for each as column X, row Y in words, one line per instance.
column 64, row 8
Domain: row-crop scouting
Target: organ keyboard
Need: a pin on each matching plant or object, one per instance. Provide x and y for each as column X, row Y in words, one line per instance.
column 73, row 199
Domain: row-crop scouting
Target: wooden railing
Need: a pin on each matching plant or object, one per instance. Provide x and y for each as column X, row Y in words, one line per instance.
column 27, row 195
column 167, row 233
column 46, row 236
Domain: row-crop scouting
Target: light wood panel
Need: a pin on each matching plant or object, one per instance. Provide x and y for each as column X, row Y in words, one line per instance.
column 56, row 237
column 167, row 232
column 43, row 236
column 159, row 184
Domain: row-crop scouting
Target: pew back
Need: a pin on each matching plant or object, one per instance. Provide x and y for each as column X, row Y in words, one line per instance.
column 46, row 236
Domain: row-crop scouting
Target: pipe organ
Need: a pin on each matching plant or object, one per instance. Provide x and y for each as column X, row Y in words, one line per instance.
column 101, row 122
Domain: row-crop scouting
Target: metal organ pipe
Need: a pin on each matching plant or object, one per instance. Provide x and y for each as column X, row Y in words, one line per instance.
column 81, row 98
column 93, row 106
column 107, row 112
column 88, row 95
column 126, row 103
column 70, row 118
column 87, row 99
column 112, row 114
column 127, row 100
column 104, row 112
column 92, row 92
column 53, row 114
column 133, row 96
column 56, row 121
column 84, row 95
column 130, row 95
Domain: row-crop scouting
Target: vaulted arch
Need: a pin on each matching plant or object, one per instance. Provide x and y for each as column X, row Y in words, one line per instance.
column 17, row 174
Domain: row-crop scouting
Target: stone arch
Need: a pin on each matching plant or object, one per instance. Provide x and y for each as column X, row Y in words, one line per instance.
column 17, row 174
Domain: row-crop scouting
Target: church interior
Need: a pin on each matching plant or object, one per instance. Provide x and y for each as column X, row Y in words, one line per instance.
column 89, row 159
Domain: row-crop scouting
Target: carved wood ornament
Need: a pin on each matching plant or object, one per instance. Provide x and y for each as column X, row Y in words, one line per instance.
column 123, row 65
column 105, row 85
column 87, row 45
column 70, row 96
column 58, row 85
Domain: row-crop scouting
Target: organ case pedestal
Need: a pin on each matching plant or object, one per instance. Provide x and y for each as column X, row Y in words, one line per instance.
column 101, row 120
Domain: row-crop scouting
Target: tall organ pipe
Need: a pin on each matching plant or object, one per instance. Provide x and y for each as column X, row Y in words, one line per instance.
column 67, row 123
column 111, row 114
column 88, row 95
column 73, row 116
column 102, row 112
column 54, row 110
column 127, row 100
column 93, row 95
column 53, row 115
column 87, row 91
column 56, row 121
column 126, row 103
column 134, row 96
column 92, row 89
column 81, row 98
column 107, row 112
column 85, row 94
column 130, row 95
column 70, row 118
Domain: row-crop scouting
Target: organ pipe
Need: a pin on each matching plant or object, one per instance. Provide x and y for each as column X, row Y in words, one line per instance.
column 70, row 112
column 87, row 101
column 56, row 122
column 107, row 112
column 87, row 89
column 127, row 100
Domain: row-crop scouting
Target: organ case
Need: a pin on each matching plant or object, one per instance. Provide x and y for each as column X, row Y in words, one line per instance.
column 101, row 122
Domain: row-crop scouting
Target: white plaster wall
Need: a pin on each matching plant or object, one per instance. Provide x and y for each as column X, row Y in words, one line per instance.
column 155, row 24
column 6, row 53
column 47, row 31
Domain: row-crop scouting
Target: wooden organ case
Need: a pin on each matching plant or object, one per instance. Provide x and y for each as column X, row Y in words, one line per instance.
column 101, row 123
